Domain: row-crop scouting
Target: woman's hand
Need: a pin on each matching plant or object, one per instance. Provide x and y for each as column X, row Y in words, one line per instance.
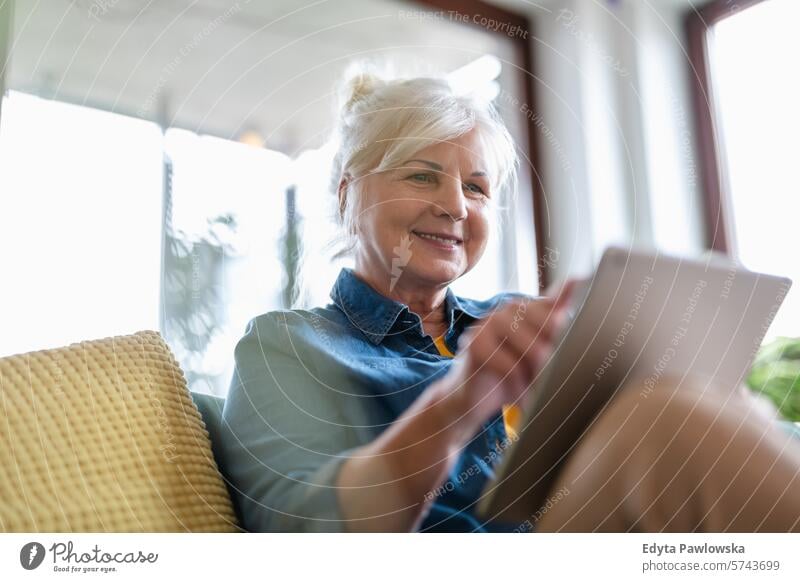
column 500, row 356
column 386, row 485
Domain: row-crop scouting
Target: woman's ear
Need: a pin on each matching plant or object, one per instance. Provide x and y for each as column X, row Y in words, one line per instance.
column 344, row 182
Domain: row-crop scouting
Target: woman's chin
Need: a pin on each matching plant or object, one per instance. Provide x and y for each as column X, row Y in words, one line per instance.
column 437, row 272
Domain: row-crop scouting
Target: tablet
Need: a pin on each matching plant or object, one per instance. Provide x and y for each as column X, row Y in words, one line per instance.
column 643, row 315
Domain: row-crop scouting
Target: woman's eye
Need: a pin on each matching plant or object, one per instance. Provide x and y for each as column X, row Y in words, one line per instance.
column 475, row 188
column 422, row 178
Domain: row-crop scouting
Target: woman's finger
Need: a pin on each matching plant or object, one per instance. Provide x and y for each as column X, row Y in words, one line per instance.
column 532, row 320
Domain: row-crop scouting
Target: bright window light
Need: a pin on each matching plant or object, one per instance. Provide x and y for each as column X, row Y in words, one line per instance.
column 476, row 76
column 754, row 66
column 224, row 263
column 80, row 224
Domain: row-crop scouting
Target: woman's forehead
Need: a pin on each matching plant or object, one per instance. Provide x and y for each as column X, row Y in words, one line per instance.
column 463, row 150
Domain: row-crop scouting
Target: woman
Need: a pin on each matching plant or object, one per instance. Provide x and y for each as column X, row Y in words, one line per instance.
column 389, row 409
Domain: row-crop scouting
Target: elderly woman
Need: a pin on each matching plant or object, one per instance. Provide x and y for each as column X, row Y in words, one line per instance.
column 388, row 409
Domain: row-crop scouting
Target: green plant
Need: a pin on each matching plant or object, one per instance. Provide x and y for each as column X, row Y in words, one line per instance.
column 776, row 375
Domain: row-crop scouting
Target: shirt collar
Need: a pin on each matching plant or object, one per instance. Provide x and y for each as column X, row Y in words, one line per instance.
column 375, row 314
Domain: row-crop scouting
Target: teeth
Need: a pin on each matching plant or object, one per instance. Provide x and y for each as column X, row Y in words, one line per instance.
column 437, row 238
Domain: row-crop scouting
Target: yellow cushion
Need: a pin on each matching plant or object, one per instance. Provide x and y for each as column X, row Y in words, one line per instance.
column 104, row 436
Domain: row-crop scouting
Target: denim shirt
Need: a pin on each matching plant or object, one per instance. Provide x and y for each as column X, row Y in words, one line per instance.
column 311, row 386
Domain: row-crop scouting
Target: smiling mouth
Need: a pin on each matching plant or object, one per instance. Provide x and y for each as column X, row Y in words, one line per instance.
column 438, row 239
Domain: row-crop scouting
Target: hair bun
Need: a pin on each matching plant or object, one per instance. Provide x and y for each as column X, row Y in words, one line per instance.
column 358, row 87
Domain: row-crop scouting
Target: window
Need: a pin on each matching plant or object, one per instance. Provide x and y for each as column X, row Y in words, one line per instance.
column 223, row 254
column 80, row 224
column 84, row 208
column 751, row 138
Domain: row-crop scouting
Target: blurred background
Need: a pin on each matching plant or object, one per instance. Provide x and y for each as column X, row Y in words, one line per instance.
column 164, row 164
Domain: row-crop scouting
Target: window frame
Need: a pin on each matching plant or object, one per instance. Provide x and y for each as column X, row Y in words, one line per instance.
column 710, row 147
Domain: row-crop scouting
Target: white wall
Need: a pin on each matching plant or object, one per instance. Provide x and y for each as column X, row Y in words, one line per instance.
column 618, row 159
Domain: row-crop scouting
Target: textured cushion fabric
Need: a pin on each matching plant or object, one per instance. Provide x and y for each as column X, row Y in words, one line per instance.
column 103, row 436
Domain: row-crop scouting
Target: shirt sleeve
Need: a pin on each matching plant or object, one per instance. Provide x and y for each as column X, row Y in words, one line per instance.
column 285, row 433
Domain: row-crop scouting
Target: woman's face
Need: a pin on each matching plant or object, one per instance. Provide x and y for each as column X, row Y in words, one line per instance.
column 426, row 223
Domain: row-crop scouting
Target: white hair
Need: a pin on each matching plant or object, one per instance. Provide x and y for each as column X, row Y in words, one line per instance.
column 385, row 122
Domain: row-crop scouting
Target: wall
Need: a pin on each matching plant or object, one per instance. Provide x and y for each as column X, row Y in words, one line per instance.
column 618, row 158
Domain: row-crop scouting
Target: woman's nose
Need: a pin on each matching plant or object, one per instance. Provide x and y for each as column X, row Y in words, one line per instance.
column 451, row 201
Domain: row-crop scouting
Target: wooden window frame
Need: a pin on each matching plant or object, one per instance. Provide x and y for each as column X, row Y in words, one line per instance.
column 713, row 172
